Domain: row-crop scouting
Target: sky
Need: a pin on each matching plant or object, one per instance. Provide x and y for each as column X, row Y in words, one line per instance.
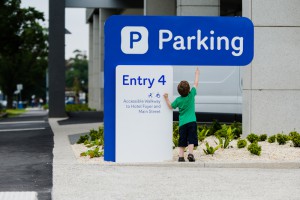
column 75, row 23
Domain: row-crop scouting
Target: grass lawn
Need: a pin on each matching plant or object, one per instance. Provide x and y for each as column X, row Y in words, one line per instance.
column 15, row 112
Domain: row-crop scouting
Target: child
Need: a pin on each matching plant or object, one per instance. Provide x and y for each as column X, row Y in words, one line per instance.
column 187, row 117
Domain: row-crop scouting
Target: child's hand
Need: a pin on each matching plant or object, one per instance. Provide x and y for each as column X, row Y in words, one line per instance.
column 166, row 95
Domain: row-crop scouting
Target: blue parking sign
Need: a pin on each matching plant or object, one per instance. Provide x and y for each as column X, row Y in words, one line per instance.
column 171, row 40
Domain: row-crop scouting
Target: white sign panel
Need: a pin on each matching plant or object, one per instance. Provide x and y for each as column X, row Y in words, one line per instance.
column 143, row 120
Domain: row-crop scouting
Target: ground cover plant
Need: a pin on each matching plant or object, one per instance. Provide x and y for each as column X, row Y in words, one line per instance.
column 254, row 148
column 202, row 134
column 262, row 137
column 252, row 138
column 282, row 138
column 210, row 150
column 78, row 107
column 95, row 141
column 272, row 139
column 175, row 134
column 226, row 136
column 241, row 143
column 295, row 137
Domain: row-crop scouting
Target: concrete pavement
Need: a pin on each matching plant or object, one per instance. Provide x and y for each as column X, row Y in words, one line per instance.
column 26, row 144
column 72, row 180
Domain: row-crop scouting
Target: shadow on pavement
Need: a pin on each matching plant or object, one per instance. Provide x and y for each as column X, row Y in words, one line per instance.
column 82, row 118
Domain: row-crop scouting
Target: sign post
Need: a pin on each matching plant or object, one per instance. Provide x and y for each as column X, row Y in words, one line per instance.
column 139, row 54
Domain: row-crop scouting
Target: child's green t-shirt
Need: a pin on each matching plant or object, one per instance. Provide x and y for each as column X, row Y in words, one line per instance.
column 186, row 107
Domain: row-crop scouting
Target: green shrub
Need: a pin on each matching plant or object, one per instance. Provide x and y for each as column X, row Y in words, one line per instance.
column 293, row 134
column 94, row 134
column 78, row 107
column 222, row 132
column 93, row 153
column 254, row 148
column 175, row 134
column 263, row 137
column 101, row 132
column 282, row 138
column 296, row 140
column 95, row 138
column 252, row 138
column 228, row 137
column 238, row 131
column 241, row 143
column 202, row 134
column 83, row 139
column 46, row 107
column 272, row 139
column 215, row 126
column 210, row 150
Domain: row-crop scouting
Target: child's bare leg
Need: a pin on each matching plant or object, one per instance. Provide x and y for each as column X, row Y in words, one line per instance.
column 191, row 148
column 181, row 151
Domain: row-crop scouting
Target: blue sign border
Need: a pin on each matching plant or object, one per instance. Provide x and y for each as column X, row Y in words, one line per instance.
column 183, row 26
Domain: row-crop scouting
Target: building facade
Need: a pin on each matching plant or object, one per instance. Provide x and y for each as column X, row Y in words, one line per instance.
column 270, row 84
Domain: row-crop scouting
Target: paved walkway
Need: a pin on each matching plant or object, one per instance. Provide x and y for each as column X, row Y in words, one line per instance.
column 72, row 180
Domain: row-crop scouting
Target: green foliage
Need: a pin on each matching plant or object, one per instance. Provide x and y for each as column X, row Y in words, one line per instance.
column 101, row 133
column 282, row 138
column 295, row 137
column 215, row 126
column 77, row 107
column 23, row 50
column 175, row 134
column 97, row 139
column 83, row 139
column 238, row 130
column 86, row 142
column 15, row 112
column 93, row 153
column 241, row 143
column 77, row 72
column 222, row 132
column 210, row 150
column 272, row 139
column 252, row 138
column 94, row 134
column 254, row 148
column 263, row 137
column 227, row 137
column 202, row 134
column 293, row 134
column 97, row 135
column 46, row 107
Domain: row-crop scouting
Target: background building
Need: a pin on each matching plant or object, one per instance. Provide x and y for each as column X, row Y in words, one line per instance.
column 270, row 84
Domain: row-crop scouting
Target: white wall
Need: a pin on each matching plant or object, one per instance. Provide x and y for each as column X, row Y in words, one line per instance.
column 271, row 90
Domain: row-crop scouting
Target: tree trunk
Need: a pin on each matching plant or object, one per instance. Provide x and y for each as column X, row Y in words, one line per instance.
column 10, row 98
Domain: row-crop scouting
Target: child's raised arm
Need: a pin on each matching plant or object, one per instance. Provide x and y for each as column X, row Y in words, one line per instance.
column 168, row 101
column 196, row 81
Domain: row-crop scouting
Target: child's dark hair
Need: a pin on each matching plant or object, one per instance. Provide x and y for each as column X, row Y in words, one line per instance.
column 183, row 88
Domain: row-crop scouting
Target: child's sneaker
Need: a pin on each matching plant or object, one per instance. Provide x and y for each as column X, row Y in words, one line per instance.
column 181, row 159
column 191, row 158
